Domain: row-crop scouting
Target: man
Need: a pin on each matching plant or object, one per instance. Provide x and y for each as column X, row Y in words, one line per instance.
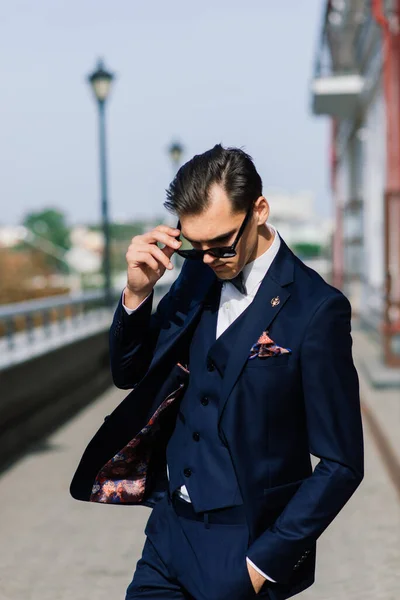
column 242, row 372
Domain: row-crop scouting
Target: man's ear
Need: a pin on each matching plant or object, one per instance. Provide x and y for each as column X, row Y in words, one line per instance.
column 262, row 208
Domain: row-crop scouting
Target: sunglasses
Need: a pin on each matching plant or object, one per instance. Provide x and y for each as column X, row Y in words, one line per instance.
column 219, row 251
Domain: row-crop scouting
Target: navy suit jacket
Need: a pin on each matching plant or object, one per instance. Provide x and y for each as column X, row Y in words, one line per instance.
column 274, row 412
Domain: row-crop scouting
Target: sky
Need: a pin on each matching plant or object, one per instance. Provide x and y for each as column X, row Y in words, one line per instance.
column 205, row 72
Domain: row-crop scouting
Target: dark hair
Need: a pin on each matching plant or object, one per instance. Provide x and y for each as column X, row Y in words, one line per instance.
column 231, row 168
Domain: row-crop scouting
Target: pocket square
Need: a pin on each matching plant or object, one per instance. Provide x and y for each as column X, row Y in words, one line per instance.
column 265, row 347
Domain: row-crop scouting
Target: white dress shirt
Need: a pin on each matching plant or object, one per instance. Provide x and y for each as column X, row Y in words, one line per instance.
column 232, row 304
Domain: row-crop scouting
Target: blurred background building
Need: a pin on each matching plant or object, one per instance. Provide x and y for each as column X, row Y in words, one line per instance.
column 303, row 228
column 357, row 84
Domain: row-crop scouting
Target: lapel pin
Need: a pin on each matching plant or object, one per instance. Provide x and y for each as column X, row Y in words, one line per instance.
column 275, row 301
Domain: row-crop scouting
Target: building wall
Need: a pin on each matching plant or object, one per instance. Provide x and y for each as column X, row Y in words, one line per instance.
column 344, row 194
column 360, row 187
column 360, row 184
column 374, row 179
column 365, row 157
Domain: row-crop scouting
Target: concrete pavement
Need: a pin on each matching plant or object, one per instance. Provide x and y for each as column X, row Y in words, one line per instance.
column 55, row 548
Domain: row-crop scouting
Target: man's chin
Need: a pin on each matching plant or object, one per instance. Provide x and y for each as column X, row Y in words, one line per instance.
column 219, row 270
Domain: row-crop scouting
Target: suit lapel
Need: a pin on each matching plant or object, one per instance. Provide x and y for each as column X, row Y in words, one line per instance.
column 259, row 316
column 182, row 319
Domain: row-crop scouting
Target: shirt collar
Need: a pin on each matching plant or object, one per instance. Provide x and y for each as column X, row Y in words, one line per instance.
column 255, row 271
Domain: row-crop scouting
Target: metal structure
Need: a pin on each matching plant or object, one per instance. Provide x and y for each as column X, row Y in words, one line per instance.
column 100, row 81
column 357, row 83
column 175, row 151
column 338, row 83
column 34, row 327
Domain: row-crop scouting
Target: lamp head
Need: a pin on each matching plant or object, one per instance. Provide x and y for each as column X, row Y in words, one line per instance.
column 100, row 80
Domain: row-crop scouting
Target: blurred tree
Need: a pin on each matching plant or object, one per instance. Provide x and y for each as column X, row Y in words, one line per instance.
column 122, row 231
column 307, row 250
column 50, row 224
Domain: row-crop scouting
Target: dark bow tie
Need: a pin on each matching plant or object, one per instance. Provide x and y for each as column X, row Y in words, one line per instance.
column 239, row 283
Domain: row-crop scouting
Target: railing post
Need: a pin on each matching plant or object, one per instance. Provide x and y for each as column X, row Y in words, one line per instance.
column 10, row 329
column 29, row 327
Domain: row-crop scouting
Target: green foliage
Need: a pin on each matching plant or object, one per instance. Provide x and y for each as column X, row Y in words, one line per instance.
column 307, row 250
column 51, row 225
column 122, row 231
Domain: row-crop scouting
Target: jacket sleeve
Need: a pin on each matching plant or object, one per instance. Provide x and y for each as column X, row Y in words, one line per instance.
column 133, row 337
column 334, row 427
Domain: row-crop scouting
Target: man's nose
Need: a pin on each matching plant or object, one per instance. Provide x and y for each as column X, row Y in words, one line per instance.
column 208, row 259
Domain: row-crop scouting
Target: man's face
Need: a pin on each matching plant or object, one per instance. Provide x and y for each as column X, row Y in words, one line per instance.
column 218, row 226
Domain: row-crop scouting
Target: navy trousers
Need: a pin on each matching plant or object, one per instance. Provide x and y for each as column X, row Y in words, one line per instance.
column 184, row 559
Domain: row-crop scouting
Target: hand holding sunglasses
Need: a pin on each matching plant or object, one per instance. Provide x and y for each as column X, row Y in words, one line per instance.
column 147, row 262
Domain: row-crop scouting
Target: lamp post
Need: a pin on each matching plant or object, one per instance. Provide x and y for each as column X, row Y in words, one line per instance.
column 100, row 81
column 175, row 151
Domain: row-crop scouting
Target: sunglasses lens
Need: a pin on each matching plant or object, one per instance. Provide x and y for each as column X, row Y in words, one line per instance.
column 195, row 254
column 192, row 254
column 222, row 252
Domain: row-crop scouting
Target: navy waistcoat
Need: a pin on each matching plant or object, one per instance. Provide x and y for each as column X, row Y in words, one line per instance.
column 196, row 455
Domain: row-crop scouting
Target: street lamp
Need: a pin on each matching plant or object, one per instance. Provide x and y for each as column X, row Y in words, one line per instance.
column 100, row 81
column 175, row 151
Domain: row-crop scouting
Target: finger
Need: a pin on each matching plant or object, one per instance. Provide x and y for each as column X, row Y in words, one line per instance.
column 135, row 256
column 167, row 229
column 160, row 236
column 167, row 251
column 171, row 231
column 161, row 254
column 145, row 257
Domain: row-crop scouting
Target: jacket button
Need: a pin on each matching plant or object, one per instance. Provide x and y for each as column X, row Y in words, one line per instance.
column 204, row 401
column 187, row 472
column 210, row 365
column 196, row 436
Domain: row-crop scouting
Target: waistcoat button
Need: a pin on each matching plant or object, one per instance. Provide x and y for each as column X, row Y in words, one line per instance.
column 187, row 472
column 210, row 365
column 196, row 436
column 204, row 401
